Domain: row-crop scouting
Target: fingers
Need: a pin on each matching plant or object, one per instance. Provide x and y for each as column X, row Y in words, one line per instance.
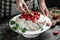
column 20, row 5
column 25, row 6
column 43, row 8
column 46, row 12
column 22, row 9
column 17, row 2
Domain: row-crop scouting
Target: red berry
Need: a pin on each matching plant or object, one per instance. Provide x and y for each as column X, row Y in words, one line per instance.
column 36, row 16
column 55, row 32
column 28, row 19
column 25, row 13
column 28, row 16
column 25, row 9
column 35, row 12
column 32, row 18
column 48, row 23
column 55, row 16
column 33, row 21
column 22, row 17
column 25, row 16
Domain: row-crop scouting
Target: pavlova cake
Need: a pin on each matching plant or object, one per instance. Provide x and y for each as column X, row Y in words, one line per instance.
column 31, row 21
column 30, row 24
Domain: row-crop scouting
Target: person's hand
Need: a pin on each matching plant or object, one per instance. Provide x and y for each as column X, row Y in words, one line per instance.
column 46, row 12
column 43, row 7
column 21, row 6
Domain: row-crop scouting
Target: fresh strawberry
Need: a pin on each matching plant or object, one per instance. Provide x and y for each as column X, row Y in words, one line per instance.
column 55, row 16
column 33, row 21
column 55, row 32
column 36, row 16
column 48, row 23
column 28, row 19
column 25, row 16
column 28, row 16
column 25, row 9
column 25, row 13
column 35, row 12
column 22, row 17
column 32, row 18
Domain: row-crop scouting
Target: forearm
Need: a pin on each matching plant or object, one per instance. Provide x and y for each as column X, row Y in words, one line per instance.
column 43, row 7
column 42, row 4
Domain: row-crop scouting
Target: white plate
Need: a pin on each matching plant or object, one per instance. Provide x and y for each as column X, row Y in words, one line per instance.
column 32, row 32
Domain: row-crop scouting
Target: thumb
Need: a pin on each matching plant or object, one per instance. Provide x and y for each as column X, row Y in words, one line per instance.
column 25, row 6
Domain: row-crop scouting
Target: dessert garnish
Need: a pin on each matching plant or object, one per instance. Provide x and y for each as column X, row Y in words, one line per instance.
column 55, row 32
column 15, row 27
column 24, row 30
column 27, row 16
column 58, row 38
column 41, row 29
column 53, row 11
column 12, row 22
column 48, row 23
column 55, row 16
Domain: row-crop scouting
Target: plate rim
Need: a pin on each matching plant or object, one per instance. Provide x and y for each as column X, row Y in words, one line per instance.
column 31, row 32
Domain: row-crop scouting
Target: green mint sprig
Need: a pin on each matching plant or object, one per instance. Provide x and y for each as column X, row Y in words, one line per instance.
column 58, row 39
column 12, row 22
column 24, row 30
column 15, row 27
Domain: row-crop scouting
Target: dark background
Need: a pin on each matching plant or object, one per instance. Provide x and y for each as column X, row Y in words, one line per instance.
column 53, row 3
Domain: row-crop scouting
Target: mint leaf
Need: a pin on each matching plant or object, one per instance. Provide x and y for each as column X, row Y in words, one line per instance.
column 12, row 22
column 58, row 11
column 41, row 29
column 17, row 24
column 58, row 39
column 53, row 11
column 24, row 30
column 14, row 28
